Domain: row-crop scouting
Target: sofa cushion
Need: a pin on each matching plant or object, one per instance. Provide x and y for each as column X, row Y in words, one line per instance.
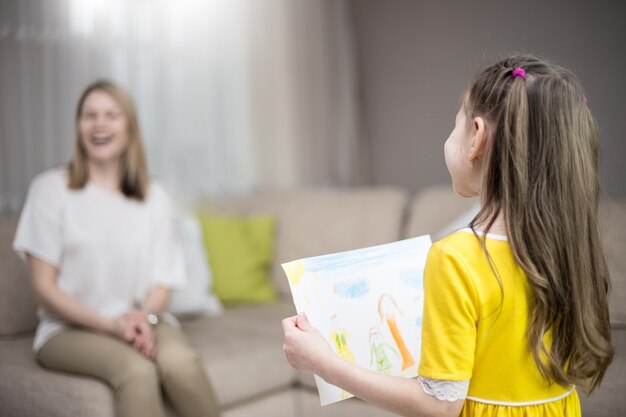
column 307, row 380
column 26, row 389
column 433, row 209
column 18, row 308
column 242, row 350
column 280, row 404
column 310, row 403
column 240, row 251
column 197, row 296
column 318, row 222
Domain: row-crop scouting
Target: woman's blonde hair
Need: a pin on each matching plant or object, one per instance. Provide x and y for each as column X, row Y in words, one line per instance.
column 541, row 172
column 134, row 179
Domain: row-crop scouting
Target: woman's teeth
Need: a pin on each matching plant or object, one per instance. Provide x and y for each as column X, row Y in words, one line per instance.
column 101, row 139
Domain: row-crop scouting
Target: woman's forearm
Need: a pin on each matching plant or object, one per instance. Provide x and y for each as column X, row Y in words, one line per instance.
column 157, row 299
column 402, row 396
column 54, row 300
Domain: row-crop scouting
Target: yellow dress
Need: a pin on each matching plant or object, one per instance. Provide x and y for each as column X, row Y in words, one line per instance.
column 474, row 331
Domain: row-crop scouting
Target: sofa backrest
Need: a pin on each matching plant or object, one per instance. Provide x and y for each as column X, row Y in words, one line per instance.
column 435, row 207
column 17, row 306
column 433, row 210
column 318, row 222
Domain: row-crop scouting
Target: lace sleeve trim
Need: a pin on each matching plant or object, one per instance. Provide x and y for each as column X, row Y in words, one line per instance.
column 444, row 390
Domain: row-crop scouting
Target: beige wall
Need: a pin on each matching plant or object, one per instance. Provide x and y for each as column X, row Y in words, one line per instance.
column 416, row 58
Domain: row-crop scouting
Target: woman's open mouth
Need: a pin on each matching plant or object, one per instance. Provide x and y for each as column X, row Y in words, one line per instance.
column 101, row 139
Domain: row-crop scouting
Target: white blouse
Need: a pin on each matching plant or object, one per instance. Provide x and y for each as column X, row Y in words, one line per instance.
column 109, row 250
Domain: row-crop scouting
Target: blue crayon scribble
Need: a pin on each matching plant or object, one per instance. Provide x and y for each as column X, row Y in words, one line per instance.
column 362, row 258
column 352, row 288
column 412, row 278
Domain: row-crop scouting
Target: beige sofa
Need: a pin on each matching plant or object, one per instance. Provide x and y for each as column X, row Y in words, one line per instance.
column 242, row 348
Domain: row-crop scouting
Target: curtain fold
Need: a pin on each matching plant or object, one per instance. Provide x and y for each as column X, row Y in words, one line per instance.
column 233, row 95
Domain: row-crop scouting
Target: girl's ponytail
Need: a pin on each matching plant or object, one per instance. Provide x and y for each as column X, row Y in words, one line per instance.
column 515, row 145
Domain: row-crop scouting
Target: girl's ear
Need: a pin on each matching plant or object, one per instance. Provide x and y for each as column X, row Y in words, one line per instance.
column 479, row 138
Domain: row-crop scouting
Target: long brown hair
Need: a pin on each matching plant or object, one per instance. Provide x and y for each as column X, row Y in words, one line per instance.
column 541, row 172
column 134, row 179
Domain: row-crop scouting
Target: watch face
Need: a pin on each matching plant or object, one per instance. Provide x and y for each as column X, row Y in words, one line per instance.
column 153, row 319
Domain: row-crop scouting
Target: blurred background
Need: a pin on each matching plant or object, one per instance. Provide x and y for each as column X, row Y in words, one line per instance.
column 236, row 96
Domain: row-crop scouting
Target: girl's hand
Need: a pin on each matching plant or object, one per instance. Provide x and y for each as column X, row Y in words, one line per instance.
column 305, row 348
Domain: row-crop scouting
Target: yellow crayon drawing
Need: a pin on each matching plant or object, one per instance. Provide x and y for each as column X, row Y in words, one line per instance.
column 295, row 272
column 340, row 337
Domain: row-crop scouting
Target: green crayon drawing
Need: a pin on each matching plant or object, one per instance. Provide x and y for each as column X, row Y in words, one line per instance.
column 378, row 352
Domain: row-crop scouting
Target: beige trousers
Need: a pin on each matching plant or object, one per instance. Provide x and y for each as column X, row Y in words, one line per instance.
column 136, row 380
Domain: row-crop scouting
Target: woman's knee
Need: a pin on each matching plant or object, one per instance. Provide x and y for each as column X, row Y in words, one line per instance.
column 137, row 371
column 183, row 362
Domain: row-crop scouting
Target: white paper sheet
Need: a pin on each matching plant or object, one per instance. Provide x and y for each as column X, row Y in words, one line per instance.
column 367, row 303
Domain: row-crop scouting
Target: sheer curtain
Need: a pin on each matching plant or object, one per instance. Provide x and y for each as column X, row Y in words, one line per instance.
column 233, row 95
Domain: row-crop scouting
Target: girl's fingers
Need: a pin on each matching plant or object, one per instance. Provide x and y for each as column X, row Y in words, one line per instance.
column 302, row 322
column 289, row 323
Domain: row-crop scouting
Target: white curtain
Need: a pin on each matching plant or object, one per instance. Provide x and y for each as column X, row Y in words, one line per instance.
column 233, row 95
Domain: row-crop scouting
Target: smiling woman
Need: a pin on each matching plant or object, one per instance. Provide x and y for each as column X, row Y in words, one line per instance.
column 103, row 126
column 99, row 239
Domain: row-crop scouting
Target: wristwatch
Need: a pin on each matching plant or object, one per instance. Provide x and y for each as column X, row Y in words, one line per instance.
column 153, row 318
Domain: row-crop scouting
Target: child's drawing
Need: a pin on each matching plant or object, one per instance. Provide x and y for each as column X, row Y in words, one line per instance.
column 379, row 350
column 340, row 338
column 352, row 288
column 387, row 309
column 368, row 303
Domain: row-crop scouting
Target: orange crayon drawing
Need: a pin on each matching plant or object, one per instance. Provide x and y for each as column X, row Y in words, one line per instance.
column 387, row 313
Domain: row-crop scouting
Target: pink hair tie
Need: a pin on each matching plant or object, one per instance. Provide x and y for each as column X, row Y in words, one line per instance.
column 519, row 72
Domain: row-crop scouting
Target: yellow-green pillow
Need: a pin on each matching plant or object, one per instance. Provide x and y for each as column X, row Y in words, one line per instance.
column 240, row 252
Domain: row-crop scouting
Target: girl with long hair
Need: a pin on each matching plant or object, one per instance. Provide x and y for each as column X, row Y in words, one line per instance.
column 515, row 305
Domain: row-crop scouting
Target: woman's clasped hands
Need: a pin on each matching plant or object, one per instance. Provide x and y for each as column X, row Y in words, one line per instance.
column 133, row 326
